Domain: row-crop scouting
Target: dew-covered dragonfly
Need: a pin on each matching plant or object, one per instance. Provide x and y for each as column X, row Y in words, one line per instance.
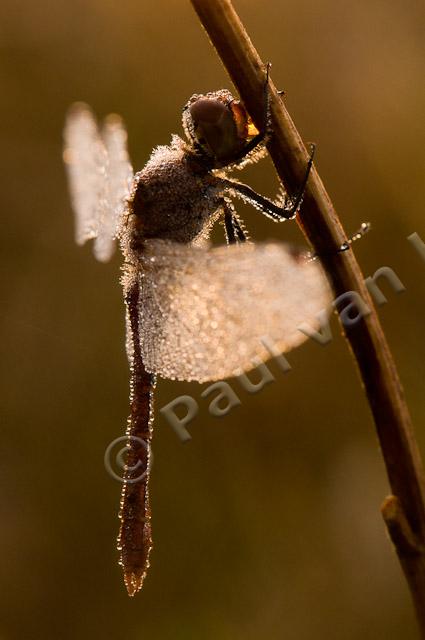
column 194, row 311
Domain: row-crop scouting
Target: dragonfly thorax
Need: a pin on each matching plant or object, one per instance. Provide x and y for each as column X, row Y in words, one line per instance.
column 174, row 197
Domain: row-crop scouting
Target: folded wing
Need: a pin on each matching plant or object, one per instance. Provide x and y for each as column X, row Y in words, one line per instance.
column 205, row 313
column 100, row 176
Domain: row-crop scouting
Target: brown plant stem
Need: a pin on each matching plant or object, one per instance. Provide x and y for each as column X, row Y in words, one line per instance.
column 320, row 223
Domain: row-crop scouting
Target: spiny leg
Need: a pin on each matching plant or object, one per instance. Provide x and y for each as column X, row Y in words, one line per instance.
column 135, row 539
column 240, row 232
column 364, row 228
column 276, row 212
column 229, row 228
column 234, row 231
column 261, row 135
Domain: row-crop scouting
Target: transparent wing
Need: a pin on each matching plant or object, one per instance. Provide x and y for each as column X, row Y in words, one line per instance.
column 99, row 173
column 205, row 313
column 119, row 175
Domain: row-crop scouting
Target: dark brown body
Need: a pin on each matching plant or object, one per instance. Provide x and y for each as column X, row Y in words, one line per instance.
column 178, row 196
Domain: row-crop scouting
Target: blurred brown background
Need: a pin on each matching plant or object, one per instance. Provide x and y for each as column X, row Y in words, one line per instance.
column 266, row 524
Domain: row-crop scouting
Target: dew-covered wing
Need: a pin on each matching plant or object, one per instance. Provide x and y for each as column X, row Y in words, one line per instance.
column 100, row 175
column 206, row 314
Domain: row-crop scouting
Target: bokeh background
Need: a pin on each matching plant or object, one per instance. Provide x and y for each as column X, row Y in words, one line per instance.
column 266, row 524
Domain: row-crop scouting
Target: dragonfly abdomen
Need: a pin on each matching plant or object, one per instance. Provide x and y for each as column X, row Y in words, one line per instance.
column 135, row 538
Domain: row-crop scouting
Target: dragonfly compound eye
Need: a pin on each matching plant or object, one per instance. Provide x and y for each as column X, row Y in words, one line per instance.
column 214, row 127
column 208, row 111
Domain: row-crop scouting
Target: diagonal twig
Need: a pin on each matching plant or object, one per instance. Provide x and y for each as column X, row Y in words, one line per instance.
column 404, row 513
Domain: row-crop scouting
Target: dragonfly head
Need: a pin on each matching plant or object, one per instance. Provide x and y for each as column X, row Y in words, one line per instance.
column 218, row 126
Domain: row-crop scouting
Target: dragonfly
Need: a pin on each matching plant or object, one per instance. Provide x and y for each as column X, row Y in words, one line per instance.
column 194, row 311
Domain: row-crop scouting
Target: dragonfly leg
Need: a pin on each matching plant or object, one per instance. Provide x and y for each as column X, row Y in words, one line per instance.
column 265, row 132
column 229, row 228
column 364, row 228
column 265, row 129
column 240, row 231
column 277, row 211
column 235, row 233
